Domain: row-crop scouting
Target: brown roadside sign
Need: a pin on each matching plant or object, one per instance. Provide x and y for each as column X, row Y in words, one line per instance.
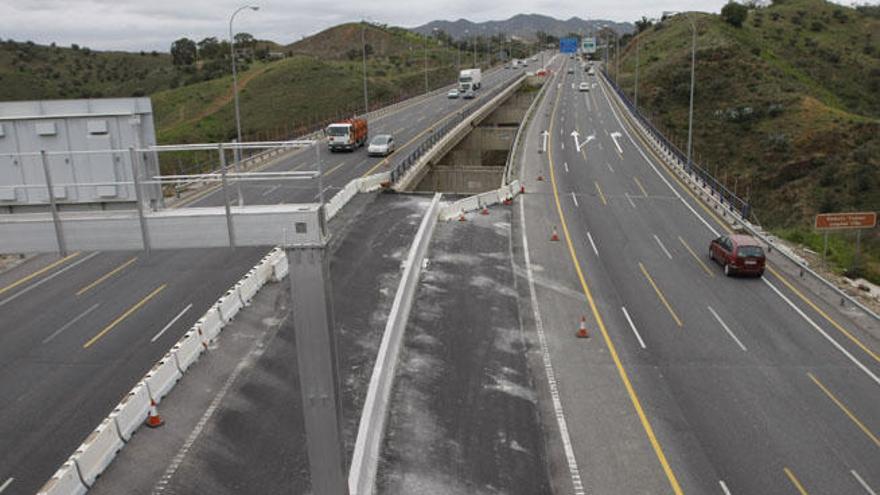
column 832, row 221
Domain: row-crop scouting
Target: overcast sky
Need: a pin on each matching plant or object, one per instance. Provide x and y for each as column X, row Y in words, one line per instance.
column 154, row 24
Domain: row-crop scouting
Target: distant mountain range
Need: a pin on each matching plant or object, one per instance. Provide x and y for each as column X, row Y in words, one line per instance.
column 523, row 26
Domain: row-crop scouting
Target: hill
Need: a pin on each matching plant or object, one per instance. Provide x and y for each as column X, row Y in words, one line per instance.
column 524, row 26
column 29, row 71
column 786, row 109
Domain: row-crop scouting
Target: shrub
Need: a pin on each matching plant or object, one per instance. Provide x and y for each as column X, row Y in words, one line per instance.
column 817, row 26
column 734, row 14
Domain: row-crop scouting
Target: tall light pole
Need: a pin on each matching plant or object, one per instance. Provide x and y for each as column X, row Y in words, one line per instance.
column 636, row 90
column 693, row 71
column 364, row 46
column 235, row 91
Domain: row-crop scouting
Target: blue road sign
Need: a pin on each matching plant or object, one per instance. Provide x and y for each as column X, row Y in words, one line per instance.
column 568, row 45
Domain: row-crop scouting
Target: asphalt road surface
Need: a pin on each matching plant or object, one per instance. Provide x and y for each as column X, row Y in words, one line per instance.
column 691, row 382
column 77, row 333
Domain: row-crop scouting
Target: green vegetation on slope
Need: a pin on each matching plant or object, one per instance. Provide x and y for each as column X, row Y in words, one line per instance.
column 786, row 109
column 34, row 72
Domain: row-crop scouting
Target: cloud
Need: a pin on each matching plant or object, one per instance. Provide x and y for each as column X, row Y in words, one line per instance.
column 154, row 24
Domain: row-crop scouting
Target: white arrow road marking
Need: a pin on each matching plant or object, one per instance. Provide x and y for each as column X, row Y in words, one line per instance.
column 614, row 136
column 578, row 145
column 545, row 135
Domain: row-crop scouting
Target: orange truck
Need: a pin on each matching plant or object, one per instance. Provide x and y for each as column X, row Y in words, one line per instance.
column 347, row 134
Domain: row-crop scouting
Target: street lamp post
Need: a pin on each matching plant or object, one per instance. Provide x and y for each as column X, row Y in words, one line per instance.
column 235, row 93
column 693, row 82
column 364, row 46
column 636, row 90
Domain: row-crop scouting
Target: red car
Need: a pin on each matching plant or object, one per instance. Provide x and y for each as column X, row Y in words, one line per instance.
column 738, row 254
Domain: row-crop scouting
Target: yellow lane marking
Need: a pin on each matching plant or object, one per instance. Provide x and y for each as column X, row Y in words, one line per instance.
column 125, row 315
column 846, row 410
column 641, row 187
column 37, row 273
column 688, row 247
column 660, row 294
column 810, row 303
column 612, row 350
column 601, row 195
column 106, row 276
column 794, row 481
column 727, row 229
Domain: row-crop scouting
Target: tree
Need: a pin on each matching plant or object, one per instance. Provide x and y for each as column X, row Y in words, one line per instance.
column 209, row 49
column 643, row 24
column 734, row 14
column 183, row 52
column 244, row 40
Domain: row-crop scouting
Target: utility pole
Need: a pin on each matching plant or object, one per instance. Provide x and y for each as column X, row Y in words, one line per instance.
column 364, row 45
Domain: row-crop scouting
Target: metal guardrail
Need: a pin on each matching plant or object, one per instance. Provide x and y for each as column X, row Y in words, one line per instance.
column 741, row 216
column 693, row 169
column 439, row 133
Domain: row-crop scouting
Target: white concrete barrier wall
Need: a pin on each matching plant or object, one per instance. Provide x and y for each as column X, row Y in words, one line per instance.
column 131, row 411
column 161, row 379
column 249, row 286
column 210, row 325
column 229, row 305
column 473, row 203
column 365, row 458
column 280, row 268
column 188, row 350
column 95, row 454
column 65, row 481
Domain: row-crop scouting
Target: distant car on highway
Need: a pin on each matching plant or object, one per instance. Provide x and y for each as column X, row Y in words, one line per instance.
column 584, row 86
column 469, row 94
column 591, row 72
column 738, row 254
column 453, row 93
column 381, row 145
column 570, row 70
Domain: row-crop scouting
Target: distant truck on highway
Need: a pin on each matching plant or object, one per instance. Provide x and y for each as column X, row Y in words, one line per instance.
column 347, row 135
column 469, row 79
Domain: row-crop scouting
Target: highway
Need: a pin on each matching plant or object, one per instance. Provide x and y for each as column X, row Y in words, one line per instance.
column 79, row 331
column 691, row 382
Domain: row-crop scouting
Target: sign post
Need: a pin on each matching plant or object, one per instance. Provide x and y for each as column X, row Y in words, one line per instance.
column 846, row 221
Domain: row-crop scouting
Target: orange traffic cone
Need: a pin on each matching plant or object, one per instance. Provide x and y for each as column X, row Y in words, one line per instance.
column 153, row 419
column 555, row 236
column 461, row 216
column 485, row 210
column 582, row 331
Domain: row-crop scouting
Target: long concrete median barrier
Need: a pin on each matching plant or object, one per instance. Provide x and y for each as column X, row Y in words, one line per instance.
column 371, row 430
column 187, row 350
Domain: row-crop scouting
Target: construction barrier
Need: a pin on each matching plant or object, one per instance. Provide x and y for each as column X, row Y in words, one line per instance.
column 95, row 454
column 279, row 268
column 187, row 350
column 161, row 379
column 210, row 325
column 229, row 304
column 65, row 481
column 131, row 411
column 249, row 286
column 264, row 271
column 473, row 203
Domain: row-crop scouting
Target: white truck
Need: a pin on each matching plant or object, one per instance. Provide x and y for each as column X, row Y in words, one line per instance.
column 469, row 79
